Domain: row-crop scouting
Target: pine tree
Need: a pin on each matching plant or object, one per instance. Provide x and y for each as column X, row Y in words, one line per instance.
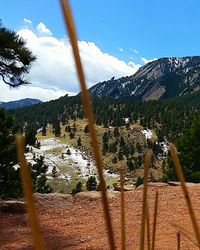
column 116, row 132
column 79, row 187
column 122, row 142
column 57, row 128
column 68, row 152
column 15, row 58
column 86, row 129
column 189, row 151
column 68, row 129
column 30, row 136
column 44, row 131
column 38, row 173
column 54, row 171
column 130, row 165
column 91, row 183
column 114, row 160
column 71, row 135
column 79, row 143
column 105, row 143
column 10, row 185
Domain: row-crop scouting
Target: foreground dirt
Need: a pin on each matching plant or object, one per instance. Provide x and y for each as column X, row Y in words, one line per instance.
column 79, row 224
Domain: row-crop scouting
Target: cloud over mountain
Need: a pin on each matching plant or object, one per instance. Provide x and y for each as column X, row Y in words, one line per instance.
column 54, row 67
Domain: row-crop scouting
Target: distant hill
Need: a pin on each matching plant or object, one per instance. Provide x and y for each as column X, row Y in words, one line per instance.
column 19, row 103
column 161, row 79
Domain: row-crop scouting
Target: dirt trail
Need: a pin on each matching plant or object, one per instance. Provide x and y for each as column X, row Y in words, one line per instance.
column 79, row 224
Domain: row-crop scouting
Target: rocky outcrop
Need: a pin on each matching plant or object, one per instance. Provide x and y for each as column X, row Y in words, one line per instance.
column 53, row 199
column 160, row 79
column 12, row 206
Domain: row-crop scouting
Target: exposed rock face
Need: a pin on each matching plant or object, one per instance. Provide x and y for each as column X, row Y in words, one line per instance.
column 53, row 199
column 12, row 206
column 160, row 79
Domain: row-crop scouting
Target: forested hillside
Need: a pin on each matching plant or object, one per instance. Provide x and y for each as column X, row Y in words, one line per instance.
column 168, row 117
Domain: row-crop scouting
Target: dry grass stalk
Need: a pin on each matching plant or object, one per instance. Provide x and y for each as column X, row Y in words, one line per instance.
column 148, row 228
column 89, row 113
column 147, row 162
column 154, row 221
column 123, row 233
column 28, row 195
column 181, row 178
column 185, row 233
column 178, row 236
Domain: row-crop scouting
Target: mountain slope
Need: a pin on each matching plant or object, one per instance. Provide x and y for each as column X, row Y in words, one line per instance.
column 19, row 103
column 160, row 79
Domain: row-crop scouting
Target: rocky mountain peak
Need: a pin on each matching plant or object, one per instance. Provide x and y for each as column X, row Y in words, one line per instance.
column 162, row 78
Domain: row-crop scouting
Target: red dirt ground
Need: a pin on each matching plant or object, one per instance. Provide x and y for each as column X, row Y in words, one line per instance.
column 79, row 223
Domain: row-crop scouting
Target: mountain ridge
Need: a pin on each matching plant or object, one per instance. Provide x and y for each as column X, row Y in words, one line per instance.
column 20, row 103
column 160, row 79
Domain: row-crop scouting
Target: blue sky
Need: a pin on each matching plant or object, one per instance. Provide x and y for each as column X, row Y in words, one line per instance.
column 127, row 30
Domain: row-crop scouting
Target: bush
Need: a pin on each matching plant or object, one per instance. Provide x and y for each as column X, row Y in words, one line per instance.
column 194, row 177
column 139, row 181
column 77, row 189
column 91, row 183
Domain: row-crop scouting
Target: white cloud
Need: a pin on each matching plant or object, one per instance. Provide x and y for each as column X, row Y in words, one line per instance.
column 42, row 29
column 26, row 20
column 53, row 74
column 54, row 66
column 121, row 49
column 30, row 91
column 135, row 51
column 145, row 60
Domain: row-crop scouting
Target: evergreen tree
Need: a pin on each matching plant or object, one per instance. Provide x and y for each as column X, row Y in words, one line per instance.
column 30, row 136
column 79, row 143
column 189, row 152
column 120, row 156
column 114, row 160
column 122, row 142
column 57, row 128
column 68, row 152
column 138, row 148
column 44, row 130
column 38, row 173
column 68, row 129
column 139, row 181
column 71, row 135
column 91, row 183
column 15, row 58
column 105, row 142
column 74, row 127
column 9, row 176
column 79, row 187
column 54, row 171
column 116, row 132
column 130, row 165
column 86, row 129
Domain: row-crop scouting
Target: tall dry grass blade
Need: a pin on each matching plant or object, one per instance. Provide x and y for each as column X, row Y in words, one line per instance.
column 154, row 221
column 148, row 228
column 185, row 233
column 28, row 195
column 147, row 162
column 181, row 178
column 123, row 233
column 178, row 236
column 89, row 113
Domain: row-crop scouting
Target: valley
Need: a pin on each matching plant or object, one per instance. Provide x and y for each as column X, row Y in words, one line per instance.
column 69, row 154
